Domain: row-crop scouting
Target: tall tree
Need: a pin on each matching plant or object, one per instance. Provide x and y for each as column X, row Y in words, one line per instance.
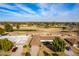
column 8, row 27
column 17, row 25
column 1, row 31
column 5, row 44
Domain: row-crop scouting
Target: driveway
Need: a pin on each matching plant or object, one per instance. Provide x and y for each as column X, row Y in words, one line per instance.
column 18, row 51
column 69, row 53
column 34, row 50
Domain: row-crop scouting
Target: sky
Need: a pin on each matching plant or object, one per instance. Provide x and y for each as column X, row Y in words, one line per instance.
column 35, row 12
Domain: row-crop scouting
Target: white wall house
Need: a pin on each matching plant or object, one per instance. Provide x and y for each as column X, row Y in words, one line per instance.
column 21, row 39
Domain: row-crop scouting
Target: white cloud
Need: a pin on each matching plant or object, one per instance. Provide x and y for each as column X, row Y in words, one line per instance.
column 47, row 12
column 54, row 14
column 7, row 6
column 27, row 9
column 11, row 12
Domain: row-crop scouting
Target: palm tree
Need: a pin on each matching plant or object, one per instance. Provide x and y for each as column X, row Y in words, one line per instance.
column 58, row 45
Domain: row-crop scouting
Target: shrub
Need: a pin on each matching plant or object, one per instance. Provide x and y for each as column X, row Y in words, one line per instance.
column 8, row 27
column 5, row 44
column 27, row 54
column 24, row 46
column 58, row 45
column 1, row 31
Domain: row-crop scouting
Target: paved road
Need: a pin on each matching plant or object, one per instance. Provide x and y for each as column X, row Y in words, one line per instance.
column 34, row 50
column 69, row 53
column 18, row 51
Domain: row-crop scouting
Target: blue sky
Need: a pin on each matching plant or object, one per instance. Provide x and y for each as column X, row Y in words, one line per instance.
column 45, row 12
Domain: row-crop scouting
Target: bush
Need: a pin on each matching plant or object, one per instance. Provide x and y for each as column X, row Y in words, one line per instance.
column 5, row 44
column 8, row 27
column 24, row 46
column 27, row 54
column 1, row 31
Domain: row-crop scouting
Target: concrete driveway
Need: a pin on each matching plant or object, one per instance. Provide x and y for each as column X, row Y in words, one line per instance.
column 34, row 50
column 18, row 52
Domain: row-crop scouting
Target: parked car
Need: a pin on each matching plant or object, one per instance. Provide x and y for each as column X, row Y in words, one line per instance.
column 68, row 48
column 14, row 49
